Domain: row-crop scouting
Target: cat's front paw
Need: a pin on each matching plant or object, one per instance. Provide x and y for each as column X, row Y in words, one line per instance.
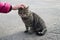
column 26, row 31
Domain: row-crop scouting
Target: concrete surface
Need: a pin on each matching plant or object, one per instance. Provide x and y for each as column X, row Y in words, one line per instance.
column 12, row 27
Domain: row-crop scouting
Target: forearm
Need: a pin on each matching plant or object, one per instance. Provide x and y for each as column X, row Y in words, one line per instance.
column 15, row 7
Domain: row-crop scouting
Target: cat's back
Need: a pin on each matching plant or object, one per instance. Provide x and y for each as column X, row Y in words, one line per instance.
column 37, row 18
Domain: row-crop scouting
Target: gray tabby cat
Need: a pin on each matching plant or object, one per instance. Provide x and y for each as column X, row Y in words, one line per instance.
column 32, row 21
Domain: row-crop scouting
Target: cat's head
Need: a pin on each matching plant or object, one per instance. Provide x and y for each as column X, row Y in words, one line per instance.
column 23, row 11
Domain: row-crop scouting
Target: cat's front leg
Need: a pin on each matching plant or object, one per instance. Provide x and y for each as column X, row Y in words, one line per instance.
column 31, row 30
column 26, row 29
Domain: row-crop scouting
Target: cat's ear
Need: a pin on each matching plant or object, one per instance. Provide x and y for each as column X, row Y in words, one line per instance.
column 27, row 7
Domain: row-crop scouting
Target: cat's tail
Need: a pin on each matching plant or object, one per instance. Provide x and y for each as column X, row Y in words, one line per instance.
column 41, row 33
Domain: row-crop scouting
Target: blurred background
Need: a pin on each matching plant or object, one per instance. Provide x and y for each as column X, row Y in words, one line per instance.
column 49, row 10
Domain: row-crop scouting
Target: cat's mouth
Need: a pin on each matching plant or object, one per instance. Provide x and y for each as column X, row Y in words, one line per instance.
column 24, row 18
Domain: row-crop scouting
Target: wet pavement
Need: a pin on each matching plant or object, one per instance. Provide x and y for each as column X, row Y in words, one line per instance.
column 12, row 27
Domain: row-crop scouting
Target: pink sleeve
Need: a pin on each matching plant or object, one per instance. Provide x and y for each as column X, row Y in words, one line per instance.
column 4, row 7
